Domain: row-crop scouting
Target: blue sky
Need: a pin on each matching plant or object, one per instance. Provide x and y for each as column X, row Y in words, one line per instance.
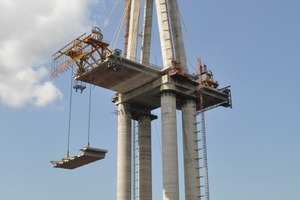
column 253, row 150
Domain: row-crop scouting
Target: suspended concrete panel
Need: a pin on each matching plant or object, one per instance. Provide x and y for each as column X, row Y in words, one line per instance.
column 88, row 155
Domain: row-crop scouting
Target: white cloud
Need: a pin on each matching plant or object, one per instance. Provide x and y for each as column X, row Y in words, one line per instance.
column 31, row 31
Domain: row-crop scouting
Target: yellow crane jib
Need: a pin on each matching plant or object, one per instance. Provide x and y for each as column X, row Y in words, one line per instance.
column 85, row 52
column 207, row 77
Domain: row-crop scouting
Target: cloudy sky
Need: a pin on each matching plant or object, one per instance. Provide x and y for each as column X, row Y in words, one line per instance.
column 253, row 149
column 30, row 32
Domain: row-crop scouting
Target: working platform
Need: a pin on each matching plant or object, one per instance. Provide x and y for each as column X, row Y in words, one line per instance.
column 140, row 84
column 215, row 97
column 120, row 74
column 88, row 155
column 148, row 96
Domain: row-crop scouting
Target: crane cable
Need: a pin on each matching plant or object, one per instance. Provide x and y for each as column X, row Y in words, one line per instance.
column 117, row 33
column 90, row 111
column 70, row 115
column 89, row 118
column 109, row 16
column 191, row 43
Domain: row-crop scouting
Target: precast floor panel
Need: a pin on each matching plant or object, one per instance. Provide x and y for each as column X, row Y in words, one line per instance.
column 88, row 155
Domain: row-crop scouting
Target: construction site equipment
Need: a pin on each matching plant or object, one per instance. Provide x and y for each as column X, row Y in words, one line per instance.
column 88, row 155
column 141, row 86
column 86, row 52
column 209, row 81
column 203, row 147
column 79, row 86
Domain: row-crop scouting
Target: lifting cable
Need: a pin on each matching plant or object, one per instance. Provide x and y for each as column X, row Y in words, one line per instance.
column 89, row 118
column 90, row 111
column 70, row 115
column 109, row 16
column 191, row 43
column 117, row 33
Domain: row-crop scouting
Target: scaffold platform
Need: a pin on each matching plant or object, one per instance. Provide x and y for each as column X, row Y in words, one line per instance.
column 141, row 84
column 119, row 74
column 215, row 97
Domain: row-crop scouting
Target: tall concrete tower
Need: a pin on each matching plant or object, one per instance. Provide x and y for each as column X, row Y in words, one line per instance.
column 172, row 48
column 174, row 89
column 140, row 88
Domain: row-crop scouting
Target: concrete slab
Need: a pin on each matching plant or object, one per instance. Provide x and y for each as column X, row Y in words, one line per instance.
column 88, row 155
column 120, row 74
column 141, row 85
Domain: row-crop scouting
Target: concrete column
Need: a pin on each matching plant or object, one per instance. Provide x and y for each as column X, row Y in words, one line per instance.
column 133, row 29
column 177, row 33
column 164, row 33
column 147, row 29
column 127, row 22
column 169, row 147
column 124, row 153
column 145, row 160
column 190, row 153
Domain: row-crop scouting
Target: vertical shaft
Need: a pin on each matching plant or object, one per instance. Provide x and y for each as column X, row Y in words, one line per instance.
column 177, row 33
column 164, row 32
column 124, row 153
column 127, row 22
column 147, row 29
column 145, row 163
column 133, row 29
column 169, row 147
column 190, row 151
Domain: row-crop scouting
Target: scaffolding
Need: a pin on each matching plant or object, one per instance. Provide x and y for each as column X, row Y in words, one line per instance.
column 85, row 52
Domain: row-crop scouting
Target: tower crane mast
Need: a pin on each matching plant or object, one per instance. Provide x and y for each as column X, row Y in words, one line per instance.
column 201, row 72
